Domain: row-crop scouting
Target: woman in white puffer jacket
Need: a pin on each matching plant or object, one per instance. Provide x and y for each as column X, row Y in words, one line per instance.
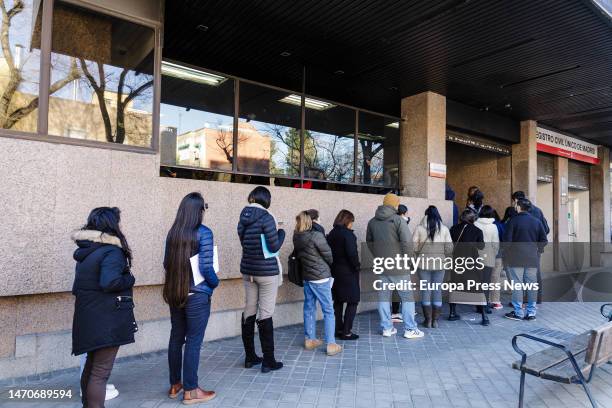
column 432, row 241
column 486, row 223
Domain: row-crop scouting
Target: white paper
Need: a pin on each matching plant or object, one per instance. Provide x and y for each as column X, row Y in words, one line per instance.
column 216, row 259
column 195, row 270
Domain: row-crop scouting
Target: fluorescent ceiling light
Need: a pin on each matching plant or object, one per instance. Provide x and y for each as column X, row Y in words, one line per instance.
column 190, row 74
column 310, row 103
column 394, row 125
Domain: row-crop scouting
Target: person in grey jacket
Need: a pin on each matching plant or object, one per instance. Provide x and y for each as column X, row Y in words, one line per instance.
column 387, row 236
column 315, row 256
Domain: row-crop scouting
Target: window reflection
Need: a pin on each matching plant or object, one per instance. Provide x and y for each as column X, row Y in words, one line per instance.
column 196, row 120
column 268, row 132
column 329, row 143
column 378, row 150
column 101, row 85
column 19, row 65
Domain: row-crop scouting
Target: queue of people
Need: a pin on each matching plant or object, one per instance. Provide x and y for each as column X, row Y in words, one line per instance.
column 329, row 265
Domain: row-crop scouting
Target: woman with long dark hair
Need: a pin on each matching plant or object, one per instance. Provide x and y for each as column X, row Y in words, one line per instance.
column 103, row 310
column 261, row 273
column 433, row 241
column 189, row 300
column 345, row 271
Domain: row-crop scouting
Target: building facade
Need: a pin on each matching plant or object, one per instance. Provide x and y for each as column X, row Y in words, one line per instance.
column 93, row 114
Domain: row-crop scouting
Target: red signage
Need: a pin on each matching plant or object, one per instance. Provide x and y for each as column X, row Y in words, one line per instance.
column 552, row 142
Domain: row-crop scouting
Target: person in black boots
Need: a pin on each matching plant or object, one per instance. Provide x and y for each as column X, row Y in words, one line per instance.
column 103, row 310
column 345, row 271
column 261, row 274
column 468, row 241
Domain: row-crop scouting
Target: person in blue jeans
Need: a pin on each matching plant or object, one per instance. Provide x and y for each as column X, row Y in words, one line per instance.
column 315, row 255
column 524, row 241
column 189, row 300
column 387, row 236
column 433, row 241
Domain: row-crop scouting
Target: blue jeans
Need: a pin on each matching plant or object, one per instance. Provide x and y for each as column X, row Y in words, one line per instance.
column 522, row 274
column 188, row 327
column 429, row 297
column 384, row 305
column 322, row 293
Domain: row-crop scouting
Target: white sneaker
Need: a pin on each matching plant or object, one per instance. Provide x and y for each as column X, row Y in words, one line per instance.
column 111, row 392
column 389, row 332
column 413, row 334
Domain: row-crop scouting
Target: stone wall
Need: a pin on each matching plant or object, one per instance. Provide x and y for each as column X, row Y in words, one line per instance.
column 48, row 190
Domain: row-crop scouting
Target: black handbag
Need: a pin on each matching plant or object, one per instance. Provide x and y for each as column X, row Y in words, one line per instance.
column 294, row 272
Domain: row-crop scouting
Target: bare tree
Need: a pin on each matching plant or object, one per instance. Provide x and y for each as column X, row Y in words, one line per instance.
column 368, row 153
column 123, row 98
column 10, row 115
column 225, row 142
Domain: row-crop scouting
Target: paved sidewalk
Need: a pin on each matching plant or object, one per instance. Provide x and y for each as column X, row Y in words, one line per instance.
column 461, row 364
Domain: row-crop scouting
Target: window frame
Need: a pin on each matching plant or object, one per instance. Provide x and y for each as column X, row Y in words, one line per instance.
column 301, row 177
column 41, row 134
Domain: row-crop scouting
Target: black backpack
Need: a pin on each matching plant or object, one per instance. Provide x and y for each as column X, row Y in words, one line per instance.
column 294, row 272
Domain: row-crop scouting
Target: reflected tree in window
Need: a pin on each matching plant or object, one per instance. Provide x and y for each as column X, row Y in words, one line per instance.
column 370, row 160
column 126, row 85
column 20, row 88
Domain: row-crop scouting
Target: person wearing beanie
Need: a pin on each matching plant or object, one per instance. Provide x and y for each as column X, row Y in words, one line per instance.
column 387, row 236
column 391, row 200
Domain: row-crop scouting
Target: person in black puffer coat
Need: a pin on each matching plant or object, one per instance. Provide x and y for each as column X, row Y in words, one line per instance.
column 103, row 311
column 315, row 255
column 260, row 274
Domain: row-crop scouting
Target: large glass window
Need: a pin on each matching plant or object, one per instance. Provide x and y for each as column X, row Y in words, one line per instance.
column 268, row 132
column 378, row 150
column 329, row 142
column 196, row 118
column 101, row 85
column 19, row 64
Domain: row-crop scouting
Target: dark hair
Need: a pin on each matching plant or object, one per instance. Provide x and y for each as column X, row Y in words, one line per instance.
column 496, row 215
column 106, row 220
column 402, row 209
column 477, row 198
column 468, row 215
column 488, row 212
column 344, row 217
column 181, row 244
column 434, row 221
column 524, row 204
column 261, row 196
column 517, row 195
column 314, row 214
column 509, row 213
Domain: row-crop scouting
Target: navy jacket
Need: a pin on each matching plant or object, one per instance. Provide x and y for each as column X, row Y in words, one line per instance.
column 104, row 307
column 205, row 251
column 255, row 221
column 450, row 195
column 524, row 239
column 538, row 214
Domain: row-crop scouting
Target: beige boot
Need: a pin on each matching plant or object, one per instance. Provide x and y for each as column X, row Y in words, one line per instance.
column 333, row 349
column 311, row 344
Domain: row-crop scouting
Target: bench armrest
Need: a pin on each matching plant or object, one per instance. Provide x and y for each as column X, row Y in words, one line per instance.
column 539, row 340
column 606, row 315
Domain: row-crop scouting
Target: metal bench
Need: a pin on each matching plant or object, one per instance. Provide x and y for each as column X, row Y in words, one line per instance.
column 571, row 362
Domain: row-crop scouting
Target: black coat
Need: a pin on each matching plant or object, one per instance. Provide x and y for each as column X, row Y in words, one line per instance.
column 311, row 248
column 345, row 268
column 104, row 308
column 255, row 221
column 524, row 239
column 468, row 240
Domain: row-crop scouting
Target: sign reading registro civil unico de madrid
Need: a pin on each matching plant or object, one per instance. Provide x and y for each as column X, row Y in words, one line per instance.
column 549, row 141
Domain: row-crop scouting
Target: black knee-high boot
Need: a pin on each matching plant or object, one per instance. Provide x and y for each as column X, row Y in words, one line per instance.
column 248, row 340
column 266, row 336
column 453, row 312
